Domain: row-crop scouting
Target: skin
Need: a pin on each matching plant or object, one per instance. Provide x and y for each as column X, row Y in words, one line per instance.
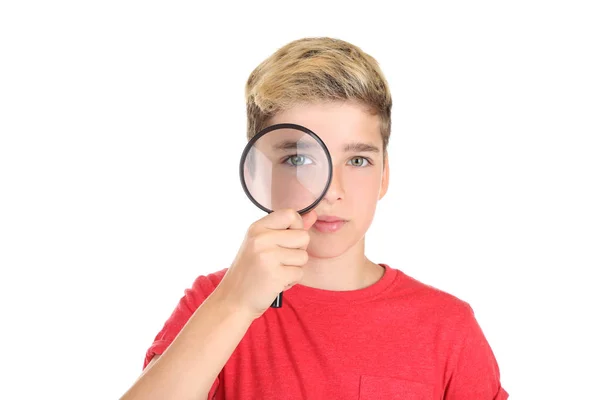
column 337, row 260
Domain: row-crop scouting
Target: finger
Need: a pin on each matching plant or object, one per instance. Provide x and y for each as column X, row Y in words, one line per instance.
column 283, row 219
column 288, row 286
column 291, row 284
column 309, row 219
column 293, row 275
column 292, row 257
column 290, row 238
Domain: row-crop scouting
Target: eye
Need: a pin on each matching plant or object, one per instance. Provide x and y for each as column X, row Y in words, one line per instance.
column 359, row 162
column 298, row 160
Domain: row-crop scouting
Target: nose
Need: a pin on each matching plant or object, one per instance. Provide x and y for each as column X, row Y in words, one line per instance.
column 336, row 187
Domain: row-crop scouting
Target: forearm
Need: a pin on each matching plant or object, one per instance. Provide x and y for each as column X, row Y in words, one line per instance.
column 188, row 368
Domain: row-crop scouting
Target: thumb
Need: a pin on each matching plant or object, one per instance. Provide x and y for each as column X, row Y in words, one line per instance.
column 309, row 219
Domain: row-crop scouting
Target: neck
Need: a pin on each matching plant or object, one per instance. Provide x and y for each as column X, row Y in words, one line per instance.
column 351, row 270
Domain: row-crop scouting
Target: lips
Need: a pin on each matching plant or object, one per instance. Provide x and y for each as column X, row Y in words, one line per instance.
column 329, row 224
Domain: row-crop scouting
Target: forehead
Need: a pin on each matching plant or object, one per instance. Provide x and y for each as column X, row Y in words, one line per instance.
column 336, row 123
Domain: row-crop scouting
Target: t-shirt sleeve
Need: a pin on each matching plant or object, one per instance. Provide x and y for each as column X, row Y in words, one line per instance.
column 193, row 297
column 475, row 373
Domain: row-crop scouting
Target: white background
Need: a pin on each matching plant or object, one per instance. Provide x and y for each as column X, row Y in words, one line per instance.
column 121, row 128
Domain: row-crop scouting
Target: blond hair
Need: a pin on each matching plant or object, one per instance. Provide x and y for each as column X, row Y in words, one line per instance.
column 316, row 69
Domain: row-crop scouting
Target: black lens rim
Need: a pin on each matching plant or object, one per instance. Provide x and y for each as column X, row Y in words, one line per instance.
column 285, row 126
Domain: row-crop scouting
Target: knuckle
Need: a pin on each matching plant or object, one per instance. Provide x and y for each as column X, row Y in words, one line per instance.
column 304, row 257
column 257, row 242
column 254, row 229
column 291, row 214
column 302, row 238
column 305, row 237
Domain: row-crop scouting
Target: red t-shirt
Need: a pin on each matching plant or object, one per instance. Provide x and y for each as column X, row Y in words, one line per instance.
column 396, row 339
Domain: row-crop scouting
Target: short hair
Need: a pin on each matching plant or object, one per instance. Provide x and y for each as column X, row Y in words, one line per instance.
column 316, row 69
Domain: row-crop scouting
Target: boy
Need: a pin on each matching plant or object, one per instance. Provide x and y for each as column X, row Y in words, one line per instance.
column 349, row 328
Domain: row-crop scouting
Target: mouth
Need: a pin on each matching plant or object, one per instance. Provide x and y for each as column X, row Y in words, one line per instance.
column 329, row 224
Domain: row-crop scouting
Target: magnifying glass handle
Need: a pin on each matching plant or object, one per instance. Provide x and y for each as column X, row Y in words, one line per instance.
column 278, row 301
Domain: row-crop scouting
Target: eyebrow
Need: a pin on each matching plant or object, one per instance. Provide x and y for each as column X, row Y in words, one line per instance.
column 357, row 147
column 361, row 148
column 293, row 145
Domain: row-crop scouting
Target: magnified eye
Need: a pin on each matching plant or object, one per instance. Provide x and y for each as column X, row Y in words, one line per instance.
column 298, row 160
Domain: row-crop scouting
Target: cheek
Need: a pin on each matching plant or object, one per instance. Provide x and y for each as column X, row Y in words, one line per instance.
column 362, row 187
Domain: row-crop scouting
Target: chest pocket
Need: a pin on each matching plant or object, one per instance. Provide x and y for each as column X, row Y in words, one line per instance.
column 389, row 388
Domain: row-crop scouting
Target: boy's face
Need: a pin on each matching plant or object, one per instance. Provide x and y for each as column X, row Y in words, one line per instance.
column 360, row 175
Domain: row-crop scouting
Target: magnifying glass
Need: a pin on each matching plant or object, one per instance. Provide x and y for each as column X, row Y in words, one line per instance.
column 285, row 166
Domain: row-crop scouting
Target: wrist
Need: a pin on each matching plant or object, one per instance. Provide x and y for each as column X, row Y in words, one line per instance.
column 230, row 306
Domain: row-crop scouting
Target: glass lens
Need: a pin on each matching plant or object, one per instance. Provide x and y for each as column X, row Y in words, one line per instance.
column 286, row 168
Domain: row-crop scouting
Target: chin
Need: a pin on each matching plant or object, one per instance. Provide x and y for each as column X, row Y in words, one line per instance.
column 330, row 246
column 325, row 251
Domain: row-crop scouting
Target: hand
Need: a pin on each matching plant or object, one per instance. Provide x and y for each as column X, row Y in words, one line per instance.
column 269, row 261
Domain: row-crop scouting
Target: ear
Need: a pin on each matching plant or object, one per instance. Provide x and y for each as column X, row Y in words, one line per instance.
column 385, row 177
